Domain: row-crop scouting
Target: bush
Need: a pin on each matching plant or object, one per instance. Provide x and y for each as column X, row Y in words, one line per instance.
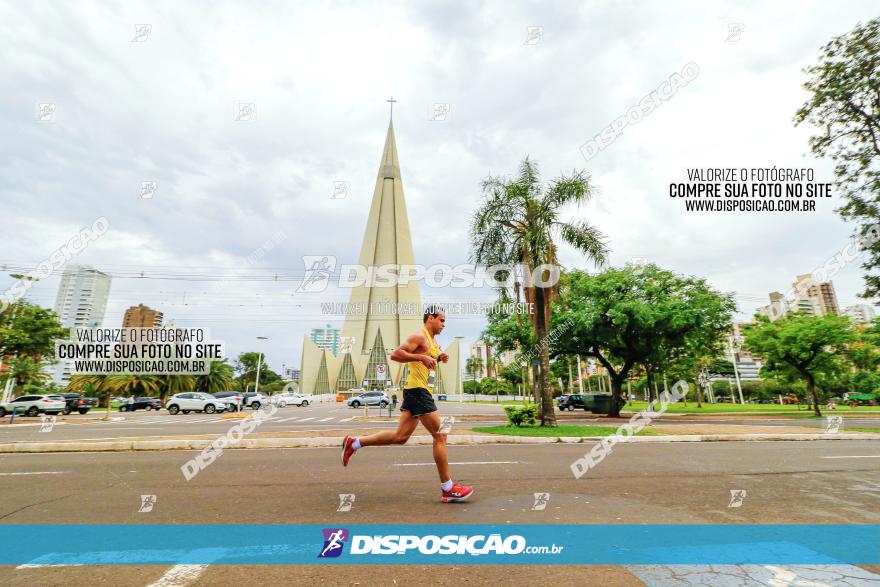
column 520, row 415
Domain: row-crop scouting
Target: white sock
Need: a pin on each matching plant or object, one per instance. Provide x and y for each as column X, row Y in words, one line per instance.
column 356, row 444
column 446, row 485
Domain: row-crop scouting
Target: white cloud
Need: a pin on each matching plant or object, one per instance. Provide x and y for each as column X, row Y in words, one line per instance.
column 162, row 110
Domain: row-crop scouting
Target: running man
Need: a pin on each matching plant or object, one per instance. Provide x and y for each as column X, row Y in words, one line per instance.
column 422, row 354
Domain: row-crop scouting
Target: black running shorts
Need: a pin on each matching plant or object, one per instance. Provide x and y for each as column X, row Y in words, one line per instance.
column 418, row 402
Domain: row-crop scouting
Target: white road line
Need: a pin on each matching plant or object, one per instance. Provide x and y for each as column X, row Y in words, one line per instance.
column 179, row 575
column 348, row 419
column 462, row 463
column 855, row 457
column 289, row 419
column 35, row 473
column 26, row 566
column 307, row 419
column 325, row 419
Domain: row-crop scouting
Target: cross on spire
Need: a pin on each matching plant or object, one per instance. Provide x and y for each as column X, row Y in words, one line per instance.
column 391, row 100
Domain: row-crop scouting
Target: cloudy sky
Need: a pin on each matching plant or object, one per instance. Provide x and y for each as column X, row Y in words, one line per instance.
column 159, row 105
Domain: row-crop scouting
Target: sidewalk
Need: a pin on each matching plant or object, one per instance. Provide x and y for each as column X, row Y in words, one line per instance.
column 291, row 440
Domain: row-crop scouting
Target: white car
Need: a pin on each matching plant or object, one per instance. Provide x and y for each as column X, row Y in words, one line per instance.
column 285, row 399
column 194, row 401
column 33, row 405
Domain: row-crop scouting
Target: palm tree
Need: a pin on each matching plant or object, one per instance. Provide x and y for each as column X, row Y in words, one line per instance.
column 27, row 371
column 133, row 384
column 520, row 223
column 92, row 385
column 219, row 378
column 171, row 384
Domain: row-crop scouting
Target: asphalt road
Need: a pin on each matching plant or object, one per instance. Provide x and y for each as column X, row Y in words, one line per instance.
column 679, row 483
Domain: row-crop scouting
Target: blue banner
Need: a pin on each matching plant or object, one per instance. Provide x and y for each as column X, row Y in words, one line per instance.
column 280, row 544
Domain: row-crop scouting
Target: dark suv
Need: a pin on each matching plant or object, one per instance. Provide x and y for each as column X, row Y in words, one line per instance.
column 141, row 403
column 77, row 403
column 570, row 402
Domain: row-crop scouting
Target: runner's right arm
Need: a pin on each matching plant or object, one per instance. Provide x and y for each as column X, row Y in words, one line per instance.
column 405, row 353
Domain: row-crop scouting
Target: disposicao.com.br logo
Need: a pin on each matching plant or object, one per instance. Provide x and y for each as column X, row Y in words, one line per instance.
column 452, row 544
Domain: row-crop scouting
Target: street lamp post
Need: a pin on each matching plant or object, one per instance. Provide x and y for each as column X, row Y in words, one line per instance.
column 460, row 381
column 259, row 364
column 731, row 341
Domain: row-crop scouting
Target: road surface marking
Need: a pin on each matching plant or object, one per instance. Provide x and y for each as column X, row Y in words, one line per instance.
column 325, row 419
column 26, row 566
column 288, row 419
column 855, row 457
column 179, row 575
column 35, row 473
column 307, row 419
column 461, row 463
column 348, row 419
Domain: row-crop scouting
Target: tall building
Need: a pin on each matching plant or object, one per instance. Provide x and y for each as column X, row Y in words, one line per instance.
column 142, row 316
column 810, row 298
column 391, row 313
column 860, row 313
column 747, row 365
column 326, row 338
column 81, row 303
column 823, row 293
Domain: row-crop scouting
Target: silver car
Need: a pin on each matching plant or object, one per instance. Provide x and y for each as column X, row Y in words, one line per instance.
column 370, row 398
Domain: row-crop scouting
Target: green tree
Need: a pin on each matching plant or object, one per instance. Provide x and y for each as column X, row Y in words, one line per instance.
column 864, row 350
column 865, row 382
column 520, row 223
column 473, row 366
column 246, row 367
column 172, row 384
column 29, row 330
column 844, row 104
column 799, row 346
column 92, row 386
column 509, row 332
column 27, row 370
column 218, row 379
column 27, row 341
column 512, row 374
column 622, row 316
column 133, row 384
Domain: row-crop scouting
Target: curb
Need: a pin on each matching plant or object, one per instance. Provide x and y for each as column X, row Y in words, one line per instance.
column 324, row 442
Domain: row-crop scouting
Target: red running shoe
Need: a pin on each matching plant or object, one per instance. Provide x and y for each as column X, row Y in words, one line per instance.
column 347, row 450
column 458, row 493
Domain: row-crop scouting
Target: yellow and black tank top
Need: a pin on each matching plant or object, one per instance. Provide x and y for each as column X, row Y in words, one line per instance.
column 419, row 375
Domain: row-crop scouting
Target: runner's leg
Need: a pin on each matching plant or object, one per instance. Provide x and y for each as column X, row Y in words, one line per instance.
column 406, row 425
column 433, row 423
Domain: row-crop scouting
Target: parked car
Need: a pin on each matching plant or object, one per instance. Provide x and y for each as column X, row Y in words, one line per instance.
column 255, row 400
column 33, row 405
column 234, row 400
column 570, row 402
column 291, row 399
column 370, row 398
column 76, row 402
column 141, row 403
column 194, row 402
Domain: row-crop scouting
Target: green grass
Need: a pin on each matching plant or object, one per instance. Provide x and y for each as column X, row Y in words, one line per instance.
column 502, row 403
column 691, row 408
column 873, row 430
column 562, row 430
